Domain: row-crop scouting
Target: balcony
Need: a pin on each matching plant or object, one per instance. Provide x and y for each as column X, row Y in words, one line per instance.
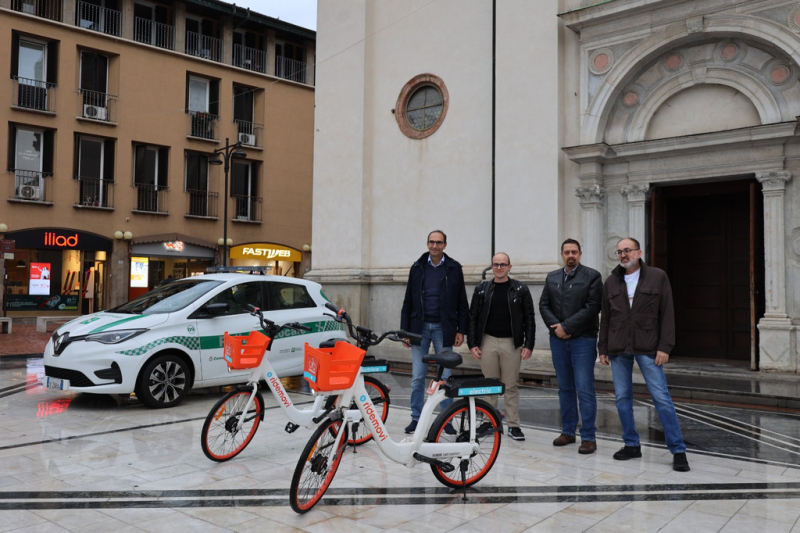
column 96, row 18
column 151, row 199
column 290, row 69
column 34, row 94
column 31, row 186
column 202, row 204
column 153, row 33
column 97, row 106
column 247, row 208
column 202, row 125
column 203, row 46
column 249, row 58
column 250, row 133
column 94, row 193
column 48, row 9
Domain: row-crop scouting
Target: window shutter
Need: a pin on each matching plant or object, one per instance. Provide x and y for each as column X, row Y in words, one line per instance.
column 14, row 54
column 138, row 164
column 52, row 62
column 186, row 104
column 108, row 159
column 77, row 151
column 213, row 97
column 163, row 166
column 254, row 178
column 48, row 156
column 12, row 147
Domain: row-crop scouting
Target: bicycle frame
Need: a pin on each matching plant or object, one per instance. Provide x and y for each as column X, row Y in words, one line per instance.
column 403, row 452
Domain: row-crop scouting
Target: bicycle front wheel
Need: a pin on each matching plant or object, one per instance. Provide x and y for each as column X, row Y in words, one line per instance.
column 317, row 466
column 487, row 435
column 222, row 438
column 379, row 396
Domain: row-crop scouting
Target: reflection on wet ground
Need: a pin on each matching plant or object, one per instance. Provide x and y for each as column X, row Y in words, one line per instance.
column 81, row 462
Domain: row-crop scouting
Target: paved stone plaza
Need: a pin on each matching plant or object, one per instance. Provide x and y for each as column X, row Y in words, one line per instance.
column 83, row 463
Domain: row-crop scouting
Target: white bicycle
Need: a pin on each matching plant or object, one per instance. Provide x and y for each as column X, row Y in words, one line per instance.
column 234, row 419
column 457, row 460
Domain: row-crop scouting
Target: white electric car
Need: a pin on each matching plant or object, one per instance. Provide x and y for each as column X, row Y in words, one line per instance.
column 169, row 340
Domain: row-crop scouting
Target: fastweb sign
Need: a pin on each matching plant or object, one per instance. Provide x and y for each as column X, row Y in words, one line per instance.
column 266, row 253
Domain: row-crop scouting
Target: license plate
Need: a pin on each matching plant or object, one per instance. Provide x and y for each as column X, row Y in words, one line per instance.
column 57, row 383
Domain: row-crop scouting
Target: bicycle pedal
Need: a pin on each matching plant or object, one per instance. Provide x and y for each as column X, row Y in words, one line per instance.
column 441, row 465
column 290, row 428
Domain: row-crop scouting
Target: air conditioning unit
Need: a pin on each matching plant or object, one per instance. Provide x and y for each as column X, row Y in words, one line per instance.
column 30, row 192
column 95, row 112
column 247, row 138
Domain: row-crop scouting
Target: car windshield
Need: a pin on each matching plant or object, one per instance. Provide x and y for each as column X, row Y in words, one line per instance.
column 168, row 298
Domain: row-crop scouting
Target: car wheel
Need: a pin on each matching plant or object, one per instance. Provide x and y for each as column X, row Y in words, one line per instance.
column 164, row 382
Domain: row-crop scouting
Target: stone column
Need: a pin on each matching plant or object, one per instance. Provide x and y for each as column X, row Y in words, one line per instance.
column 777, row 343
column 68, row 8
column 126, row 7
column 591, row 199
column 637, row 196
column 179, row 23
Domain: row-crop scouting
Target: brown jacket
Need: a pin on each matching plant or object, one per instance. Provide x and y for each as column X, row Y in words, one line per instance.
column 645, row 328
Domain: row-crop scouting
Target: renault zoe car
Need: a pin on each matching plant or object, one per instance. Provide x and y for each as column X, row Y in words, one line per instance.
column 170, row 340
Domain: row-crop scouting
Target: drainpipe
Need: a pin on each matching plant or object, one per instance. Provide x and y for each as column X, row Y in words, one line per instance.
column 494, row 98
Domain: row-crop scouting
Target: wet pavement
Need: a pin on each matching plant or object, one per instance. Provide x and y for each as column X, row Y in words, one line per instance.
column 78, row 462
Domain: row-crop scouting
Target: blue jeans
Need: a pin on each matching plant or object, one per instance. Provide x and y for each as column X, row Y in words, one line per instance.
column 622, row 371
column 574, row 361
column 431, row 333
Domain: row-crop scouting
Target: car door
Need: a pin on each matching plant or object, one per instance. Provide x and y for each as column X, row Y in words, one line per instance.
column 291, row 302
column 236, row 320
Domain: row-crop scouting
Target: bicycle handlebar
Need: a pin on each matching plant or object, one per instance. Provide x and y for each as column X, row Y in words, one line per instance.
column 364, row 336
column 271, row 327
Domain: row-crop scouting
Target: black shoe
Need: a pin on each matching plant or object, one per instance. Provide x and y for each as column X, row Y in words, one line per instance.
column 516, row 434
column 411, row 427
column 679, row 463
column 628, row 452
column 449, row 429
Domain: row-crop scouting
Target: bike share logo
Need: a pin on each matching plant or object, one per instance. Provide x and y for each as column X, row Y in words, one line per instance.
column 276, row 385
column 372, row 417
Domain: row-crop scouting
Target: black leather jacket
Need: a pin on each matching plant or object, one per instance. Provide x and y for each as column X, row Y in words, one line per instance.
column 520, row 304
column 574, row 303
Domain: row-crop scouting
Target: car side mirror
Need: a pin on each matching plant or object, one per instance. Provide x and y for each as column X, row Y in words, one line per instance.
column 217, row 309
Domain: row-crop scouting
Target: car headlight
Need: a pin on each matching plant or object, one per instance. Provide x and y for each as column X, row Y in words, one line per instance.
column 114, row 337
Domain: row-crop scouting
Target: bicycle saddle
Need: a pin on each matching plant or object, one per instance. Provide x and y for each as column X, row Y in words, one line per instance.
column 445, row 359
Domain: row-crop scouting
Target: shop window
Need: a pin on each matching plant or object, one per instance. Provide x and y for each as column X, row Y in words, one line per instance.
column 239, row 297
column 150, row 176
column 288, row 296
column 94, row 169
column 30, row 158
column 34, row 69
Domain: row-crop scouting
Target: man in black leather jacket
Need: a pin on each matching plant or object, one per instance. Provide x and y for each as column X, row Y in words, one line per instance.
column 569, row 306
column 501, row 332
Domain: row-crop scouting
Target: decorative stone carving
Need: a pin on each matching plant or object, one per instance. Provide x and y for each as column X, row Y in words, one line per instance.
column 590, row 195
column 694, row 24
column 699, row 74
column 773, row 185
column 637, row 192
column 794, row 18
column 774, row 180
column 601, row 61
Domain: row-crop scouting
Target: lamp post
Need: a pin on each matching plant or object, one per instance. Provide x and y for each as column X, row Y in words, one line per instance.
column 228, row 151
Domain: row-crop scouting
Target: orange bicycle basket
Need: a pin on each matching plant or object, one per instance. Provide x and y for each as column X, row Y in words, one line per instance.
column 330, row 369
column 245, row 351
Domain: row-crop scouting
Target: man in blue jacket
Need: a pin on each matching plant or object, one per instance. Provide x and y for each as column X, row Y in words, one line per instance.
column 435, row 306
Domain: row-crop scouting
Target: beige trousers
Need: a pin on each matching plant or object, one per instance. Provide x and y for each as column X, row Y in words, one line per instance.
column 499, row 359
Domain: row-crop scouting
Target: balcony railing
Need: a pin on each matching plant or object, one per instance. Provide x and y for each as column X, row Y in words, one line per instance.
column 95, row 193
column 202, row 203
column 34, row 94
column 247, row 208
column 249, row 133
column 97, row 106
column 202, row 125
column 154, row 33
column 151, row 198
column 290, row 69
column 31, row 186
column 102, row 19
column 49, row 9
column 203, row 46
column 249, row 58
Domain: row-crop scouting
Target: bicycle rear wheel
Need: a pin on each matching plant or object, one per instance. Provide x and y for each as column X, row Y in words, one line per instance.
column 488, row 435
column 379, row 396
column 317, row 466
column 221, row 439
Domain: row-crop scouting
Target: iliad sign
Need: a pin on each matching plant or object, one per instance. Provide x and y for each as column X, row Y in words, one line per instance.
column 62, row 241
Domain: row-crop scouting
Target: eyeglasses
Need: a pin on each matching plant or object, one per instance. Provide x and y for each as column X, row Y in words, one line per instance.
column 626, row 251
column 499, row 265
column 436, row 243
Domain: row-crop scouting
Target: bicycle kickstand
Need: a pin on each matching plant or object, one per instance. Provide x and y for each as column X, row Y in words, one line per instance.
column 290, row 427
column 463, row 467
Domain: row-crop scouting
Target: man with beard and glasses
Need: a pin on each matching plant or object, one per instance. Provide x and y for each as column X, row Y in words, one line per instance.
column 569, row 306
column 638, row 323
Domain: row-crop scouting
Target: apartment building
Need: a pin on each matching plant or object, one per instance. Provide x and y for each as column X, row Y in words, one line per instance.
column 114, row 110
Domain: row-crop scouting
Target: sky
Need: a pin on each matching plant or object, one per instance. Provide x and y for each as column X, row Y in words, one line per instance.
column 300, row 12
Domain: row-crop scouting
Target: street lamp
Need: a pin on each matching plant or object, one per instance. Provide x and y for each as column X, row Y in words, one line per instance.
column 228, row 151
